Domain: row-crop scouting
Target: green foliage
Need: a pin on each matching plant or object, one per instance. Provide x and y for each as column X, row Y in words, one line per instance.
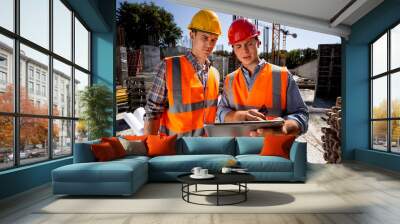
column 223, row 53
column 265, row 56
column 147, row 24
column 97, row 102
column 299, row 57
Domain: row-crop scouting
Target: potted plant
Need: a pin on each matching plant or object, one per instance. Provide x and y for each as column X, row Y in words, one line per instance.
column 96, row 102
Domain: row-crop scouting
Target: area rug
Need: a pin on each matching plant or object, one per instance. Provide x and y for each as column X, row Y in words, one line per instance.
column 167, row 198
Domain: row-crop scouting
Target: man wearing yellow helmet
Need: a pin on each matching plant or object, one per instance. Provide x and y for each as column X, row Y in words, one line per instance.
column 185, row 90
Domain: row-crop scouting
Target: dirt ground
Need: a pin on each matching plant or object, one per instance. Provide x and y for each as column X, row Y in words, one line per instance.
column 313, row 135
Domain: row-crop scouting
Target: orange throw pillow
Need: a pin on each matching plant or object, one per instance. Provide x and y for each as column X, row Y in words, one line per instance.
column 277, row 145
column 135, row 137
column 103, row 151
column 161, row 145
column 116, row 145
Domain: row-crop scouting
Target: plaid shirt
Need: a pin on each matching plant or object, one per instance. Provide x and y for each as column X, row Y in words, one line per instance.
column 157, row 100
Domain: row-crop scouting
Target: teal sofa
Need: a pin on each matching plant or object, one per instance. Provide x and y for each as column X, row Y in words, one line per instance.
column 125, row 176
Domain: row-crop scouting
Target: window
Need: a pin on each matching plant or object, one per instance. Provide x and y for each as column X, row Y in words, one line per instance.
column 385, row 96
column 3, row 61
column 44, row 91
column 81, row 45
column 62, row 75
column 3, row 78
column 6, row 73
column 54, row 126
column 30, row 87
column 7, row 142
column 62, row 29
column 7, row 14
column 62, row 130
column 30, row 72
column 3, row 72
column 37, row 74
column 81, row 81
column 33, row 149
column 38, row 89
column 34, row 21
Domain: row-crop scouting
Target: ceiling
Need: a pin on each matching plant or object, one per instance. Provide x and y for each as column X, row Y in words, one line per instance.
column 333, row 17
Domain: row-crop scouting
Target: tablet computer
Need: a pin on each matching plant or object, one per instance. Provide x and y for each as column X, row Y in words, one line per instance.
column 242, row 128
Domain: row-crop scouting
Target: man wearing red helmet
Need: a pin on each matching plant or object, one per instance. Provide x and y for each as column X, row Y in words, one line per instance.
column 258, row 90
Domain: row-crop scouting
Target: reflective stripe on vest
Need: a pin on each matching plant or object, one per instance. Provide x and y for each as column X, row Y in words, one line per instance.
column 190, row 105
column 269, row 90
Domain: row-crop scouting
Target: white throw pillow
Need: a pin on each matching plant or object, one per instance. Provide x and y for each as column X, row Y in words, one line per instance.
column 136, row 147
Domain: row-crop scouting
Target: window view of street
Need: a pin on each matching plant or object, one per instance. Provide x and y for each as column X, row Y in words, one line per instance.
column 45, row 131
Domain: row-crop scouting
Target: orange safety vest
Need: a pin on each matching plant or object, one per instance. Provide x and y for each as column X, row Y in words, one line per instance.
column 269, row 90
column 190, row 105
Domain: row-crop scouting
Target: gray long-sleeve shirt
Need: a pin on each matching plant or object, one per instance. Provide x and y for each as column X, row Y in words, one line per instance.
column 295, row 108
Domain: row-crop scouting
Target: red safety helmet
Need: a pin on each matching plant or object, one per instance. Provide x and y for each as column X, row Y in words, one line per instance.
column 241, row 29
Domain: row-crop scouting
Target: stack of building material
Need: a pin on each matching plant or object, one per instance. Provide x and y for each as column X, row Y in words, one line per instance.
column 304, row 83
column 138, row 87
column 332, row 134
column 122, row 99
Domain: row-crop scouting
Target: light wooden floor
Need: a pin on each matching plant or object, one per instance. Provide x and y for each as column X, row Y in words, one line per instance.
column 377, row 188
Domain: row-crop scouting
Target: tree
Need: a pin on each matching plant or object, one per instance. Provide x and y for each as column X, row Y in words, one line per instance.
column 34, row 130
column 293, row 58
column 380, row 127
column 299, row 57
column 222, row 53
column 147, row 24
column 265, row 56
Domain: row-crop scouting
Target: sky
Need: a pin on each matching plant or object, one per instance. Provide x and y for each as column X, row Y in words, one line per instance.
column 183, row 14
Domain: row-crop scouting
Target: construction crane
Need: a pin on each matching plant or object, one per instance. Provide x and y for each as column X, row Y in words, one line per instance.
column 285, row 33
column 276, row 38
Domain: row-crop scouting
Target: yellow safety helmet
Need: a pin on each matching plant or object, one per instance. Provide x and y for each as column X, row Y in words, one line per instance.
column 207, row 21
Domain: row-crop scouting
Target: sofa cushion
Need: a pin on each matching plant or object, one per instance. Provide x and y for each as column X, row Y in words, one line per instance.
column 83, row 152
column 161, row 145
column 130, row 158
column 185, row 163
column 135, row 137
column 277, row 145
column 112, row 171
column 257, row 163
column 134, row 147
column 249, row 145
column 205, row 145
column 116, row 145
column 103, row 152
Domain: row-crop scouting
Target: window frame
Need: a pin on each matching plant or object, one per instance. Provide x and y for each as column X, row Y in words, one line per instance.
column 16, row 114
column 388, row 74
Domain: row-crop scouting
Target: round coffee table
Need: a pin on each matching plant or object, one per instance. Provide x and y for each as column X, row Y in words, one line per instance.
column 238, row 179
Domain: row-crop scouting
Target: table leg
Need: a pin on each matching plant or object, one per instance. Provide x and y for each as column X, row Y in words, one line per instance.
column 196, row 188
column 217, row 194
column 245, row 191
column 188, row 190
